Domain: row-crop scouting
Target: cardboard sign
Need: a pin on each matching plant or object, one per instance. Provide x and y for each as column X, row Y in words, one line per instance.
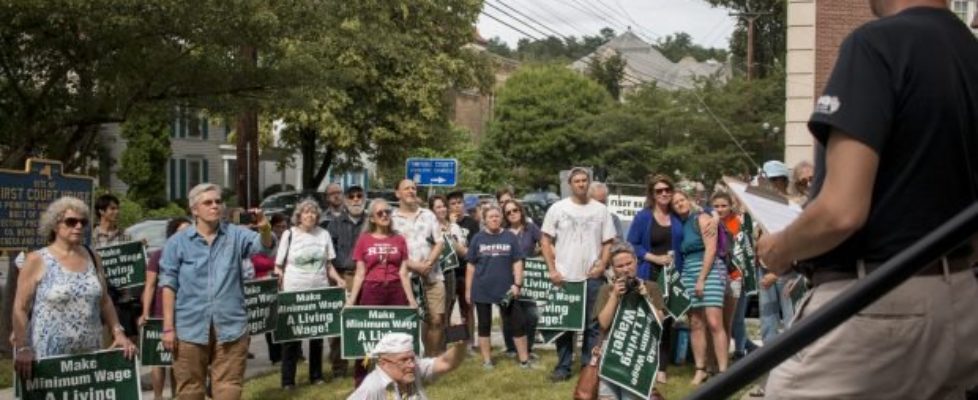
column 124, row 264
column 151, row 351
column 309, row 314
column 261, row 296
column 362, row 327
column 101, row 375
column 630, row 356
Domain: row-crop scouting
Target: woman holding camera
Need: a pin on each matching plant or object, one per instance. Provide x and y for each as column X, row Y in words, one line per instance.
column 493, row 276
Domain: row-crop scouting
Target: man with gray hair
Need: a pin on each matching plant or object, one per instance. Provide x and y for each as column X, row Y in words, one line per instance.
column 205, row 323
column 400, row 373
column 599, row 192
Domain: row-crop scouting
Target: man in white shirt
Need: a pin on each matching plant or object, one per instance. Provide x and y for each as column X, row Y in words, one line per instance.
column 577, row 236
column 400, row 373
column 420, row 229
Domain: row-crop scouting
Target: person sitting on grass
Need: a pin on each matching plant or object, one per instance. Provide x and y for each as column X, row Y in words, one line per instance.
column 400, row 372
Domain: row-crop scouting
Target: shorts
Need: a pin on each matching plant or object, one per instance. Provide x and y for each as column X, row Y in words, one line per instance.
column 434, row 293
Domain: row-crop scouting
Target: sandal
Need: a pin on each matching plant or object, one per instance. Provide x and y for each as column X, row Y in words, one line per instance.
column 706, row 375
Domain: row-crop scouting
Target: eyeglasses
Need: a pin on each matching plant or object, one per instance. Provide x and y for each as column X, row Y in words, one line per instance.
column 210, row 202
column 352, row 196
column 663, row 190
column 402, row 363
column 512, row 211
column 382, row 213
column 72, row 222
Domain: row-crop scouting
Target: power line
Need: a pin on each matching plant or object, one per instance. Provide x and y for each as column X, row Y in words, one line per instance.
column 516, row 19
column 534, row 20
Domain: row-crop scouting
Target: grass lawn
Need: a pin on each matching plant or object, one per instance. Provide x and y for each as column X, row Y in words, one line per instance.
column 470, row 382
column 6, row 373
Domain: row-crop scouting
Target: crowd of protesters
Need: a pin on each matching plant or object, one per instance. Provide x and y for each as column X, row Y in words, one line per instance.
column 386, row 256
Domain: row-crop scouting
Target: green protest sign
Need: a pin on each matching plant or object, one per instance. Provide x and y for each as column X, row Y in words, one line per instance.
column 564, row 307
column 308, row 314
column 103, row 375
column 550, row 336
column 743, row 255
column 417, row 287
column 124, row 264
column 260, row 299
column 448, row 259
column 151, row 351
column 630, row 356
column 536, row 279
column 363, row 326
column 673, row 292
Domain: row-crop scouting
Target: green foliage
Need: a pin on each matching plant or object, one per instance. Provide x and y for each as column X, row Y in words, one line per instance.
column 536, row 130
column 68, row 67
column 551, row 48
column 130, row 212
column 770, row 35
column 171, row 210
column 680, row 45
column 147, row 148
column 609, row 73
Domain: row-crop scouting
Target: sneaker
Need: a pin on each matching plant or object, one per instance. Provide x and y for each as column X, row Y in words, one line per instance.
column 487, row 365
column 511, row 353
column 529, row 364
column 559, row 376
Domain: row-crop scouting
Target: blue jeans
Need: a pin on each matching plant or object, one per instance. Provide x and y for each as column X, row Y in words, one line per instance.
column 741, row 343
column 565, row 343
column 776, row 309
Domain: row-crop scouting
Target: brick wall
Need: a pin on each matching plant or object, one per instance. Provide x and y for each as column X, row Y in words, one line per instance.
column 834, row 20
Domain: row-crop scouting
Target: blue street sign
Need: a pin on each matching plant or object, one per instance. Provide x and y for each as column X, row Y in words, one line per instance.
column 432, row 171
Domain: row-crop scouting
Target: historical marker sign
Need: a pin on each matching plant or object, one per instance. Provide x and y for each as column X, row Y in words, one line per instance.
column 24, row 195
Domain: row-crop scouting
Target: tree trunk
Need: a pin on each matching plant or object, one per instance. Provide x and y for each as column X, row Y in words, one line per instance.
column 247, row 145
column 312, row 177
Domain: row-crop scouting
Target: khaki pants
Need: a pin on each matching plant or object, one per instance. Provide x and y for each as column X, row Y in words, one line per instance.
column 920, row 341
column 227, row 363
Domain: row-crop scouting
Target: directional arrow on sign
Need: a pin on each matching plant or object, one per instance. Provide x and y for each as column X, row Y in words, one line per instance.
column 439, row 180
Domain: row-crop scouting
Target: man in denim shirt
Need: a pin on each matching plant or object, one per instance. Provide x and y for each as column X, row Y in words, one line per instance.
column 204, row 315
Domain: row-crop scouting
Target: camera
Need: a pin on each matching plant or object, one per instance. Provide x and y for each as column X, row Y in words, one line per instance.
column 508, row 299
column 246, row 218
column 631, row 284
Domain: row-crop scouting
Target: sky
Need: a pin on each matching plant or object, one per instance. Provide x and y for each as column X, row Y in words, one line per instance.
column 650, row 19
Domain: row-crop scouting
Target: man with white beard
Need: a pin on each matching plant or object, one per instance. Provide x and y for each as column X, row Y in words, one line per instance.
column 344, row 230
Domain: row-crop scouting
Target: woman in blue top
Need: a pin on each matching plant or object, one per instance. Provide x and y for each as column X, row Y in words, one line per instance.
column 529, row 234
column 704, row 277
column 653, row 234
column 493, row 276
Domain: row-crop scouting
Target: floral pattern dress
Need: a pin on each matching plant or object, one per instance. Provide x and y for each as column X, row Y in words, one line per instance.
column 66, row 317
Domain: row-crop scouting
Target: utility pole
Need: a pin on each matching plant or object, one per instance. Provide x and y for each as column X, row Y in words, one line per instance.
column 247, row 143
column 750, row 16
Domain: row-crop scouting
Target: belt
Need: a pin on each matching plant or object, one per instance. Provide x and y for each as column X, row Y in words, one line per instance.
column 942, row 266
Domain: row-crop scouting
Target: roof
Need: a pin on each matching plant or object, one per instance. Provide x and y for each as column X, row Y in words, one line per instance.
column 644, row 62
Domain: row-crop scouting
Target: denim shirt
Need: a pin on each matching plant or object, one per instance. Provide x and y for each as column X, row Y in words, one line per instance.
column 208, row 282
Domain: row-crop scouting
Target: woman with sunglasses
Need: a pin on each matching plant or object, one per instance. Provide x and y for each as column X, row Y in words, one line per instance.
column 62, row 302
column 529, row 234
column 382, row 277
column 655, row 232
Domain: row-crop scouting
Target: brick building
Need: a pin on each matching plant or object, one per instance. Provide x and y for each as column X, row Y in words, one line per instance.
column 815, row 32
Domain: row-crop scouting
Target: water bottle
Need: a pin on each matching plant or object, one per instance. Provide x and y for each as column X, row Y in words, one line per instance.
column 682, row 344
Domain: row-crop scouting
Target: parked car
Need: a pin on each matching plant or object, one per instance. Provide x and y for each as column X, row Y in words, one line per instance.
column 543, row 198
column 153, row 231
column 285, row 202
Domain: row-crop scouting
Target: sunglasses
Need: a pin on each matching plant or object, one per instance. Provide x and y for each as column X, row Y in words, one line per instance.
column 210, row 202
column 663, row 190
column 72, row 222
column 512, row 211
column 352, row 196
column 381, row 213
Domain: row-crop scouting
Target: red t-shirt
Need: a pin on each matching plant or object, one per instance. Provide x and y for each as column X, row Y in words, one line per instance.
column 382, row 257
column 263, row 265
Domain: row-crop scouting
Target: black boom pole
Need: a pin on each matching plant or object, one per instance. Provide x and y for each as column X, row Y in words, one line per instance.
column 863, row 293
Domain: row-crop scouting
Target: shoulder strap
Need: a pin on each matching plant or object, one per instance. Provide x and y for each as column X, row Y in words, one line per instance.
column 288, row 245
column 113, row 292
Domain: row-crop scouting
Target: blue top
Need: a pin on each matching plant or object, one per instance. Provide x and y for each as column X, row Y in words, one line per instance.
column 692, row 237
column 528, row 237
column 208, row 281
column 493, row 256
column 640, row 235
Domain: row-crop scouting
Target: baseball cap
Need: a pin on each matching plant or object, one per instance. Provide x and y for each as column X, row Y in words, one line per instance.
column 775, row 169
column 353, row 189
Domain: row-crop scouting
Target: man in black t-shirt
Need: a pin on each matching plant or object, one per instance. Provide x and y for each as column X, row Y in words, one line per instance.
column 458, row 210
column 898, row 133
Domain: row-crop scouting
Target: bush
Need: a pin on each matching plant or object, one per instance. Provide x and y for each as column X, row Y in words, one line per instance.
column 130, row 212
column 171, row 210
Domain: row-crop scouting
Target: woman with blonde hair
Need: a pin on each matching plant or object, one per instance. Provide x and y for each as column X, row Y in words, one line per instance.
column 62, row 302
column 382, row 277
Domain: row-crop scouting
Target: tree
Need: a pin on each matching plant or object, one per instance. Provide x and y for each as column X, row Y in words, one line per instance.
column 379, row 93
column 68, row 67
column 608, row 72
column 552, row 48
column 536, row 131
column 680, row 45
column 770, row 37
column 148, row 147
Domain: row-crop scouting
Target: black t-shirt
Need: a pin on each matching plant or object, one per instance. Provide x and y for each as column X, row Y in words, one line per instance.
column 906, row 86
column 470, row 227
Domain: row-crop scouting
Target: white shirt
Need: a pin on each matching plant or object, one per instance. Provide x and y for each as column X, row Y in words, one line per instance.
column 308, row 253
column 579, row 232
column 378, row 385
column 417, row 231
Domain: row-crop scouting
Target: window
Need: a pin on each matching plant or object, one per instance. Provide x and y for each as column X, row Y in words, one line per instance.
column 230, row 173
column 960, row 7
column 189, row 123
column 195, row 173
